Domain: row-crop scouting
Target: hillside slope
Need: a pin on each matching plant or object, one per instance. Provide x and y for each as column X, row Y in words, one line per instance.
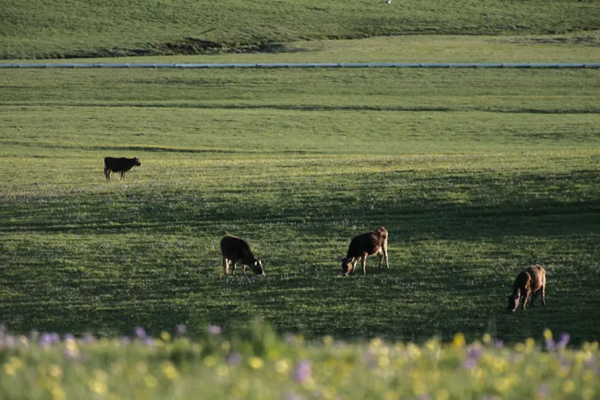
column 92, row 28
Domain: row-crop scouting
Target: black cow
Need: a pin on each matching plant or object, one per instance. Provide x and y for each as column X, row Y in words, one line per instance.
column 121, row 165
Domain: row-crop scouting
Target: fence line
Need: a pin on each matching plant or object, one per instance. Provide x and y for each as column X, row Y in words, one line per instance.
column 303, row 65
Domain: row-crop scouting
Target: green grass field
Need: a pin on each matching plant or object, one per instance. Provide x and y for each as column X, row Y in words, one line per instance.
column 475, row 173
column 87, row 28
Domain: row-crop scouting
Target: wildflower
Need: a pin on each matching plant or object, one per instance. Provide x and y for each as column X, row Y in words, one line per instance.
column 169, row 370
column 256, row 363
column 234, row 358
column 498, row 344
column 124, row 340
column 544, row 391
column 209, row 361
column 181, row 329
column 88, row 338
column 568, row 386
column 9, row 369
column 282, row 366
column 55, row 371
column 150, row 381
column 140, row 332
column 487, row 338
column 214, row 329
column 459, row 340
column 303, row 371
column 475, row 352
column 165, row 336
column 470, row 363
column 149, row 341
column 97, row 387
column 49, row 339
column 58, row 393
column 564, row 340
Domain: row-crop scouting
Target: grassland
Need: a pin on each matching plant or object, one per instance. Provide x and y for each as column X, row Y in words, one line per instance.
column 86, row 28
column 476, row 174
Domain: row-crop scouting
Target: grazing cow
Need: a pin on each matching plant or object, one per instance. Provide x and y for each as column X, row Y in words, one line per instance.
column 121, row 165
column 235, row 250
column 528, row 283
column 367, row 244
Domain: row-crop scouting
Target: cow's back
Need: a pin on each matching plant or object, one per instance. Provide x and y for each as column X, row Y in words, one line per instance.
column 233, row 247
column 538, row 276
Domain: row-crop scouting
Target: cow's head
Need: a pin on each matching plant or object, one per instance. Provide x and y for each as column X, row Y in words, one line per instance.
column 257, row 267
column 347, row 266
column 137, row 162
column 513, row 302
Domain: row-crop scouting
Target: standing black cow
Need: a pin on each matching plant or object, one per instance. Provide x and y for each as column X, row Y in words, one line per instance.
column 120, row 165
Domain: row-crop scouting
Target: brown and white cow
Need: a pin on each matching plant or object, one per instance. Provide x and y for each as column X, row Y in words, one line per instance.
column 364, row 245
column 235, row 250
column 120, row 165
column 528, row 283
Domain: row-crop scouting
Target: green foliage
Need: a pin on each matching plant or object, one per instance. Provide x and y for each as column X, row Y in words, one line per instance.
column 174, row 368
column 476, row 174
column 87, row 28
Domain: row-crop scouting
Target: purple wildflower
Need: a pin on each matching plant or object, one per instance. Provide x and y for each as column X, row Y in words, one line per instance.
column 124, row 340
column 139, row 332
column 149, row 341
column 470, row 363
column 234, row 358
column 181, row 329
column 214, row 329
column 475, row 352
column 9, row 341
column 544, row 391
column 88, row 338
column 68, row 336
column 303, row 371
column 564, row 340
column 49, row 339
column 550, row 344
column 498, row 344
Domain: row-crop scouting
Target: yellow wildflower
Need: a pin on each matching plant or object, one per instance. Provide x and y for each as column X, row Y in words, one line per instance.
column 282, row 366
column 166, row 336
column 150, row 381
column 97, row 387
column 487, row 338
column 442, row 394
column 169, row 370
column 459, row 340
column 547, row 334
column 58, row 393
column 9, row 369
column 568, row 386
column 256, row 363
column 55, row 371
column 209, row 361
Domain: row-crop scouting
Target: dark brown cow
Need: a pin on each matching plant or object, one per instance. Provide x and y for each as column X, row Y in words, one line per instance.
column 121, row 165
column 235, row 250
column 528, row 283
column 367, row 244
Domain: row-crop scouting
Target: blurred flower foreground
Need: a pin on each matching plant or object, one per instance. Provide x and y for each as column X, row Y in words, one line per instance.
column 256, row 363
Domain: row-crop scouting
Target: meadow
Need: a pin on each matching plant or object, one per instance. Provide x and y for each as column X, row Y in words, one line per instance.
column 476, row 174
column 255, row 363
column 88, row 28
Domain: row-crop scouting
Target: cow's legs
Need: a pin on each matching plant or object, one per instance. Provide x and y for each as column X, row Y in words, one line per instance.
column 122, row 175
column 364, row 264
column 354, row 262
column 225, row 265
column 525, row 297
column 385, row 255
column 232, row 268
column 543, row 289
column 533, row 297
column 244, row 269
column 107, row 174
